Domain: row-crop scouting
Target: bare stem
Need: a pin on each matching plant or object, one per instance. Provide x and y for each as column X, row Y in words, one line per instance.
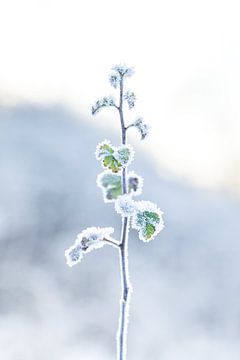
column 112, row 242
column 123, row 254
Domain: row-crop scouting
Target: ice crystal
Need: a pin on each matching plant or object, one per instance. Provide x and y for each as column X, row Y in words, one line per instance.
column 124, row 205
column 130, row 97
column 88, row 240
column 102, row 103
column 123, row 70
column 141, row 127
column 147, row 219
column 114, row 158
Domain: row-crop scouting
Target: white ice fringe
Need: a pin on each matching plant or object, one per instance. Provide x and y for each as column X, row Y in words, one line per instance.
column 130, row 97
column 74, row 255
column 124, row 205
column 141, row 127
column 102, row 103
column 118, row 153
column 141, row 207
column 98, row 153
column 88, row 240
column 123, row 70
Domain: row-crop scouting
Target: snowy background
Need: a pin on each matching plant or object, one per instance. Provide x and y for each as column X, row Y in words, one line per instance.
column 186, row 282
column 55, row 59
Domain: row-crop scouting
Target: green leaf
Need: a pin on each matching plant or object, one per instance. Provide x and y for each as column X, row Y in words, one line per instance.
column 123, row 155
column 112, row 185
column 146, row 222
column 151, row 217
column 105, row 150
column 149, row 231
column 111, row 163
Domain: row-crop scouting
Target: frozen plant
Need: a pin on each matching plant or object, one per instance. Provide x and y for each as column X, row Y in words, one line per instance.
column 119, row 186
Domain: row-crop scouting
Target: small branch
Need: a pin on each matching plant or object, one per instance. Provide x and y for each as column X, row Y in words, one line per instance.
column 112, row 242
column 129, row 126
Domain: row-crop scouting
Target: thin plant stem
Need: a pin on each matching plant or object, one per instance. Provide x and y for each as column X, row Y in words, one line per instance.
column 111, row 242
column 123, row 254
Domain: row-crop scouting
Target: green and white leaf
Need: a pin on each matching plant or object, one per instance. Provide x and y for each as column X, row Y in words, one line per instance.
column 148, row 220
column 111, row 184
column 114, row 158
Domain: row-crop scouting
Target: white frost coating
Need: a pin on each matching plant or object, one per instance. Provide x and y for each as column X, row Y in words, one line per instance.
column 119, row 154
column 114, row 79
column 74, row 255
column 124, row 303
column 123, row 70
column 136, row 183
column 103, row 102
column 92, row 237
column 124, row 205
column 141, row 207
column 123, row 154
column 99, row 153
column 88, row 240
column 104, row 190
column 141, row 127
column 130, row 97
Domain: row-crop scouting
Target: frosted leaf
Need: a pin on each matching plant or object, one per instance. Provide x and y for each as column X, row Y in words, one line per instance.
column 114, row 158
column 88, row 240
column 124, row 154
column 147, row 219
column 135, row 183
column 142, row 128
column 130, row 97
column 124, row 205
column 115, row 79
column 74, row 255
column 123, row 70
column 111, row 185
column 102, row 103
column 104, row 149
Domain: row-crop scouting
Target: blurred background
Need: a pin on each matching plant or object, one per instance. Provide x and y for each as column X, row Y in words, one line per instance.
column 55, row 60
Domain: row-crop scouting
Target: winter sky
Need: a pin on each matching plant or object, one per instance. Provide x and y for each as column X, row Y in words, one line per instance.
column 186, row 56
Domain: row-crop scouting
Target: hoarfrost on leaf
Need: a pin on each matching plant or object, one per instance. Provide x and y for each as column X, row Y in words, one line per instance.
column 115, row 79
column 123, row 70
column 124, row 205
column 124, row 154
column 88, row 240
column 104, row 149
column 147, row 219
column 74, row 255
column 114, row 158
column 135, row 183
column 130, row 97
column 142, row 128
column 106, row 101
column 111, row 185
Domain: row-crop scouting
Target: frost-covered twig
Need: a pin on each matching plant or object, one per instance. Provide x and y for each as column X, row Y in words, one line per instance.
column 119, row 186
